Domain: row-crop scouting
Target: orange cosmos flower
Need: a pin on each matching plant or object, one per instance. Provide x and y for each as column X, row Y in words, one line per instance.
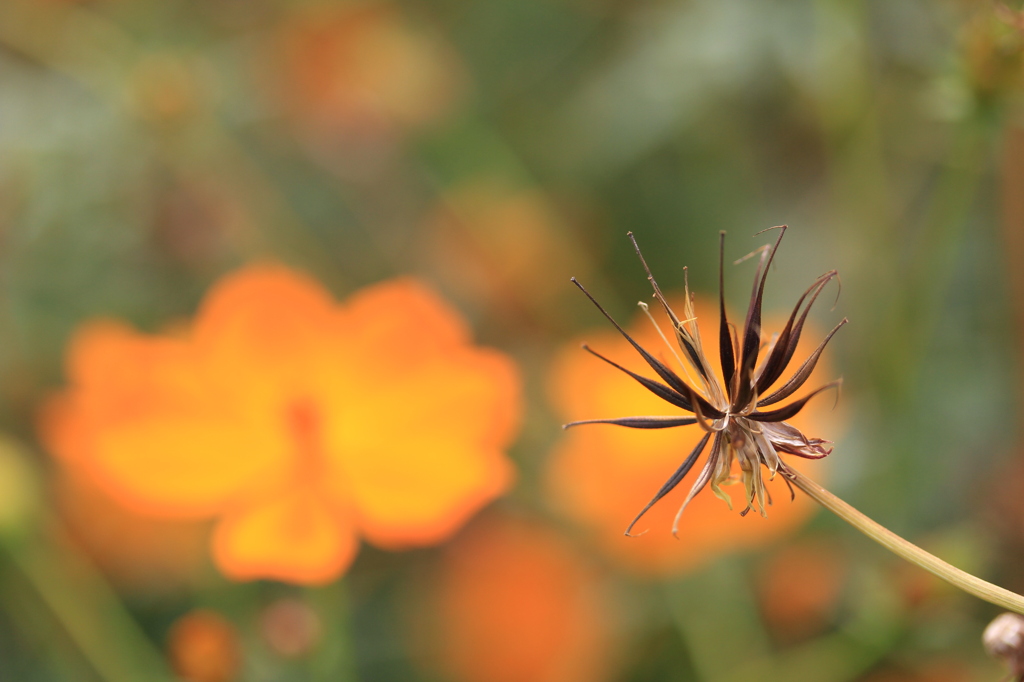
column 799, row 587
column 515, row 602
column 602, row 475
column 298, row 423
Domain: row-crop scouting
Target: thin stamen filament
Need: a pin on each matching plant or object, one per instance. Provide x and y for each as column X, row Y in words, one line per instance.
column 981, row 589
column 686, row 370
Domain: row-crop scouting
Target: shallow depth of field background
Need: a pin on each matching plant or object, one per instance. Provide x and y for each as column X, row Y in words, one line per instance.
column 491, row 150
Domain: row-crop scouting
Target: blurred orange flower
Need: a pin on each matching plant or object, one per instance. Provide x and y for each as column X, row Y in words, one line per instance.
column 204, row 647
column 799, row 587
column 298, row 423
column 363, row 70
column 601, row 475
column 515, row 603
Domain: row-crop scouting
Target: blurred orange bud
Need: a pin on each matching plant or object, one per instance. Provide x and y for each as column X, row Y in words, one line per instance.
column 514, row 602
column 299, row 424
column 799, row 586
column 602, row 475
column 363, row 70
column 203, row 647
column 290, row 627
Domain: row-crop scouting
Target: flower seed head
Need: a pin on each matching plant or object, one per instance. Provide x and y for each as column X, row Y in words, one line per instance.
column 730, row 409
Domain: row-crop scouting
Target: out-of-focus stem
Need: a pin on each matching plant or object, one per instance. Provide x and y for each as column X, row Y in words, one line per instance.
column 954, row 576
column 336, row 662
column 91, row 615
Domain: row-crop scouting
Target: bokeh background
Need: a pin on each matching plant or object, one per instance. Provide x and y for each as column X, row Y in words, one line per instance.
column 491, row 150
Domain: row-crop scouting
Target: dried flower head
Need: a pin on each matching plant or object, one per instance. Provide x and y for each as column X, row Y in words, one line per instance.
column 730, row 409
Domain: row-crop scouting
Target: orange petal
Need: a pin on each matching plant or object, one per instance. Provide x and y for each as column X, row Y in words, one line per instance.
column 183, row 466
column 420, row 495
column 118, row 374
column 269, row 337
column 269, row 306
column 295, row 538
column 142, row 419
column 417, row 473
column 110, row 354
column 407, row 317
column 420, row 449
column 267, row 327
column 468, row 395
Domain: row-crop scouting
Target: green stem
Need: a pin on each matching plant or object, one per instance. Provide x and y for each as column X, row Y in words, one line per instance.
column 335, row 659
column 981, row 589
column 90, row 613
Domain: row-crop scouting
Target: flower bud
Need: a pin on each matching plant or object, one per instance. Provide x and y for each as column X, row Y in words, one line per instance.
column 1004, row 639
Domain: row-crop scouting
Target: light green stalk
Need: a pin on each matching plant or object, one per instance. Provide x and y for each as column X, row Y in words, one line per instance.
column 954, row 576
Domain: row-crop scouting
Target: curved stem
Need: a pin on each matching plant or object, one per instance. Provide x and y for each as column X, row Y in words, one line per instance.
column 981, row 589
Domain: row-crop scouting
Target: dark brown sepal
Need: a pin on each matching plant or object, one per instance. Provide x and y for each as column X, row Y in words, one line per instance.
column 791, row 410
column 725, row 345
column 785, row 347
column 639, row 422
column 658, row 389
column 802, row 374
column 674, row 480
column 752, row 327
column 666, row 374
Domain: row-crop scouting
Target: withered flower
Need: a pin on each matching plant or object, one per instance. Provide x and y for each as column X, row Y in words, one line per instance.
column 730, row 409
